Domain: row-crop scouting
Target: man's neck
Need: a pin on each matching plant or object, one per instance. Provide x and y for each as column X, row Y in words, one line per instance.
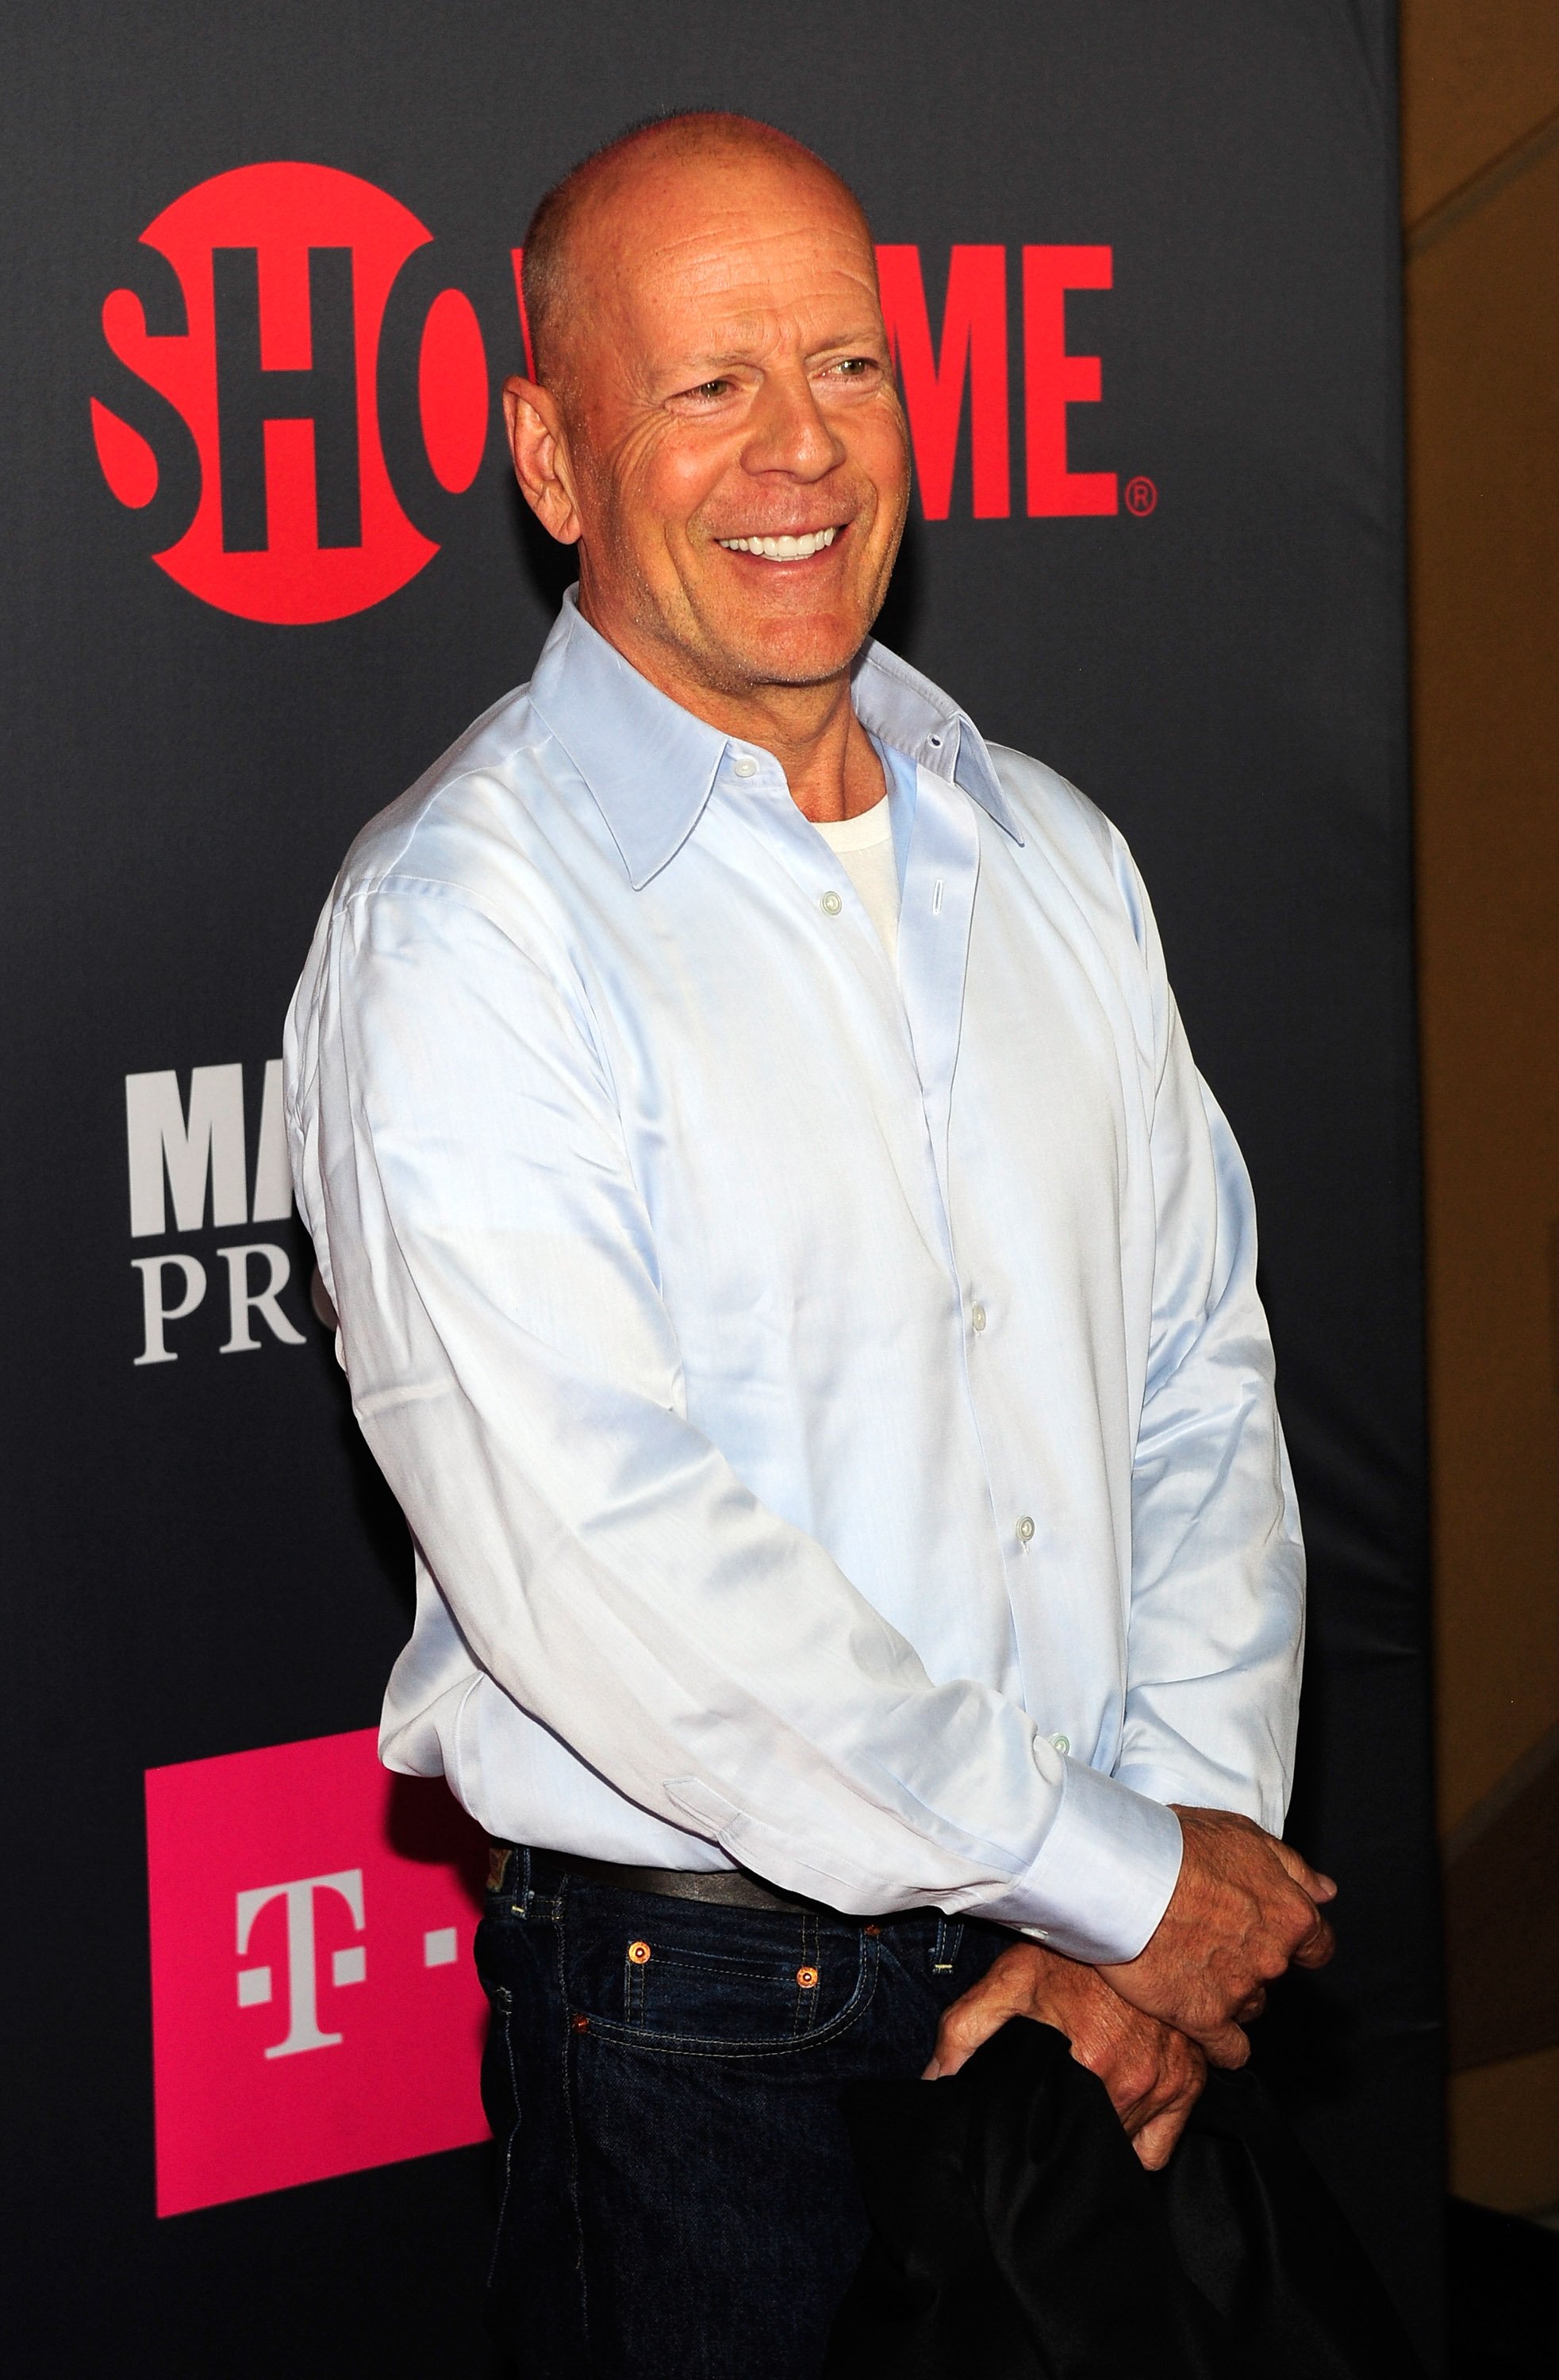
column 829, row 761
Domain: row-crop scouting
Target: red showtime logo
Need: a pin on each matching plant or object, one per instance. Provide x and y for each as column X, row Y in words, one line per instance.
column 297, row 394
column 315, row 2007
column 267, row 354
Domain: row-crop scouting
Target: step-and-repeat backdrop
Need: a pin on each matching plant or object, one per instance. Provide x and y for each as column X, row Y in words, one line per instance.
column 261, row 563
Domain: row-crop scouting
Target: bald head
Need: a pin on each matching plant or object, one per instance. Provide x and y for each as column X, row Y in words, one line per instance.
column 563, row 261
column 711, row 417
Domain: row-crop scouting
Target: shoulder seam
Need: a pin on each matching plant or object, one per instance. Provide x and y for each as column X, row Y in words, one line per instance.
column 447, row 785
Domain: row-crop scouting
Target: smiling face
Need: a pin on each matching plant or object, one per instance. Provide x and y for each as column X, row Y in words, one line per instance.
column 728, row 442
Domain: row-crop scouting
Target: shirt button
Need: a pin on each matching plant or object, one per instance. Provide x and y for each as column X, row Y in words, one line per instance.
column 1024, row 1530
column 977, row 1317
column 1061, row 1742
column 744, row 767
column 831, row 905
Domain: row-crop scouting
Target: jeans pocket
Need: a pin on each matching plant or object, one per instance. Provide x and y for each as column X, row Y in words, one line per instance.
column 665, row 1973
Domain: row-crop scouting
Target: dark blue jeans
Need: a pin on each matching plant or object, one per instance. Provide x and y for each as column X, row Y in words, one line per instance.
column 661, row 2077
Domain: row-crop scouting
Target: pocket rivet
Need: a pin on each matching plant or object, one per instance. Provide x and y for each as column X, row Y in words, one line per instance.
column 579, row 2023
column 639, row 1953
column 807, row 1977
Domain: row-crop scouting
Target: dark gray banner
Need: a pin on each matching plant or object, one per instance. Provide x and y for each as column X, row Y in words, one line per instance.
column 263, row 563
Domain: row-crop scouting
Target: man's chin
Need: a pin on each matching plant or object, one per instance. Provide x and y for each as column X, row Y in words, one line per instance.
column 777, row 653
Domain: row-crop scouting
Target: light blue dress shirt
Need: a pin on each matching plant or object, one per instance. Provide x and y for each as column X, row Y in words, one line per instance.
column 832, row 1408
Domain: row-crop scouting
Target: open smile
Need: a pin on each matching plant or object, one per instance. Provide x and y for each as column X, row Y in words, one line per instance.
column 783, row 548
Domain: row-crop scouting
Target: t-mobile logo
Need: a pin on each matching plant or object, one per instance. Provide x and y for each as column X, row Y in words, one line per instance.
column 303, row 1900
column 347, row 1965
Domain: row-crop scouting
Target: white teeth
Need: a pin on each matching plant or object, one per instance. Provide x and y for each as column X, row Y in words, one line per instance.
column 782, row 549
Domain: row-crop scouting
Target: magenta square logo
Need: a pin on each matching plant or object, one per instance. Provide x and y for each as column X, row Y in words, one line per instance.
column 315, row 2007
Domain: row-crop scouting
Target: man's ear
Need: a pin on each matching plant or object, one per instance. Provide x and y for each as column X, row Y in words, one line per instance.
column 540, row 457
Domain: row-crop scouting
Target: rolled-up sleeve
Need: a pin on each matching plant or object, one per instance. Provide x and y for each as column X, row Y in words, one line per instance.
column 515, row 1371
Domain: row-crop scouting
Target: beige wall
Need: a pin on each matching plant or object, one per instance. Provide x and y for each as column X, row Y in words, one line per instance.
column 1480, row 200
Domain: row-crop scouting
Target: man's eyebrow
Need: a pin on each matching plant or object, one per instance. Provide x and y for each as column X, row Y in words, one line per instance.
column 702, row 363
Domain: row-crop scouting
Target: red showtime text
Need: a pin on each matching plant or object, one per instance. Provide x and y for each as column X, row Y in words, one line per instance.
column 296, row 394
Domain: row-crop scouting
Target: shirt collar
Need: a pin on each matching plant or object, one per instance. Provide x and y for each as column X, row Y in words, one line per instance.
column 652, row 765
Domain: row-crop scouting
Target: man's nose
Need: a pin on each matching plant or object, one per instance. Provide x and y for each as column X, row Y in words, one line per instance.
column 788, row 430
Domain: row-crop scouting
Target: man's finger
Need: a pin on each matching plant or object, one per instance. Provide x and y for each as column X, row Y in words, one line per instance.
column 1317, row 1946
column 1309, row 1879
column 1180, row 2086
column 964, row 2026
column 1227, row 2046
column 1155, row 2142
column 1143, row 2110
column 1135, row 2086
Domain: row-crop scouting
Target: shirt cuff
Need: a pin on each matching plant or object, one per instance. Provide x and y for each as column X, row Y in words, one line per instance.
column 1104, row 1875
column 1212, row 1789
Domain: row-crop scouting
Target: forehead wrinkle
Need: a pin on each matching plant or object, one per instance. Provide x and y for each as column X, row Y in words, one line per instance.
column 742, row 340
column 730, row 309
column 714, row 254
column 692, row 300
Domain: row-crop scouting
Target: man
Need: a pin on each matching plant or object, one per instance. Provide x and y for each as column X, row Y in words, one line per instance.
column 802, row 1296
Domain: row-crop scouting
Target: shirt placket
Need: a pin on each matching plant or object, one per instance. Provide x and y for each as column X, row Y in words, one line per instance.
column 756, row 779
column 936, row 919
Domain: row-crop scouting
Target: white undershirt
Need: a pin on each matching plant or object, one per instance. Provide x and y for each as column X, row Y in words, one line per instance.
column 866, row 846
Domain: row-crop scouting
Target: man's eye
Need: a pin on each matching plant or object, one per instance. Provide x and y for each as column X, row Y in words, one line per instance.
column 853, row 367
column 710, row 388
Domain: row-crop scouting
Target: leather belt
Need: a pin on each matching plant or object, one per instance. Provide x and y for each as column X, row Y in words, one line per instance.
column 723, row 1887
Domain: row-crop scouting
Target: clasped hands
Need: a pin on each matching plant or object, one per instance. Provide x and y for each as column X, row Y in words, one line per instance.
column 1244, row 1908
